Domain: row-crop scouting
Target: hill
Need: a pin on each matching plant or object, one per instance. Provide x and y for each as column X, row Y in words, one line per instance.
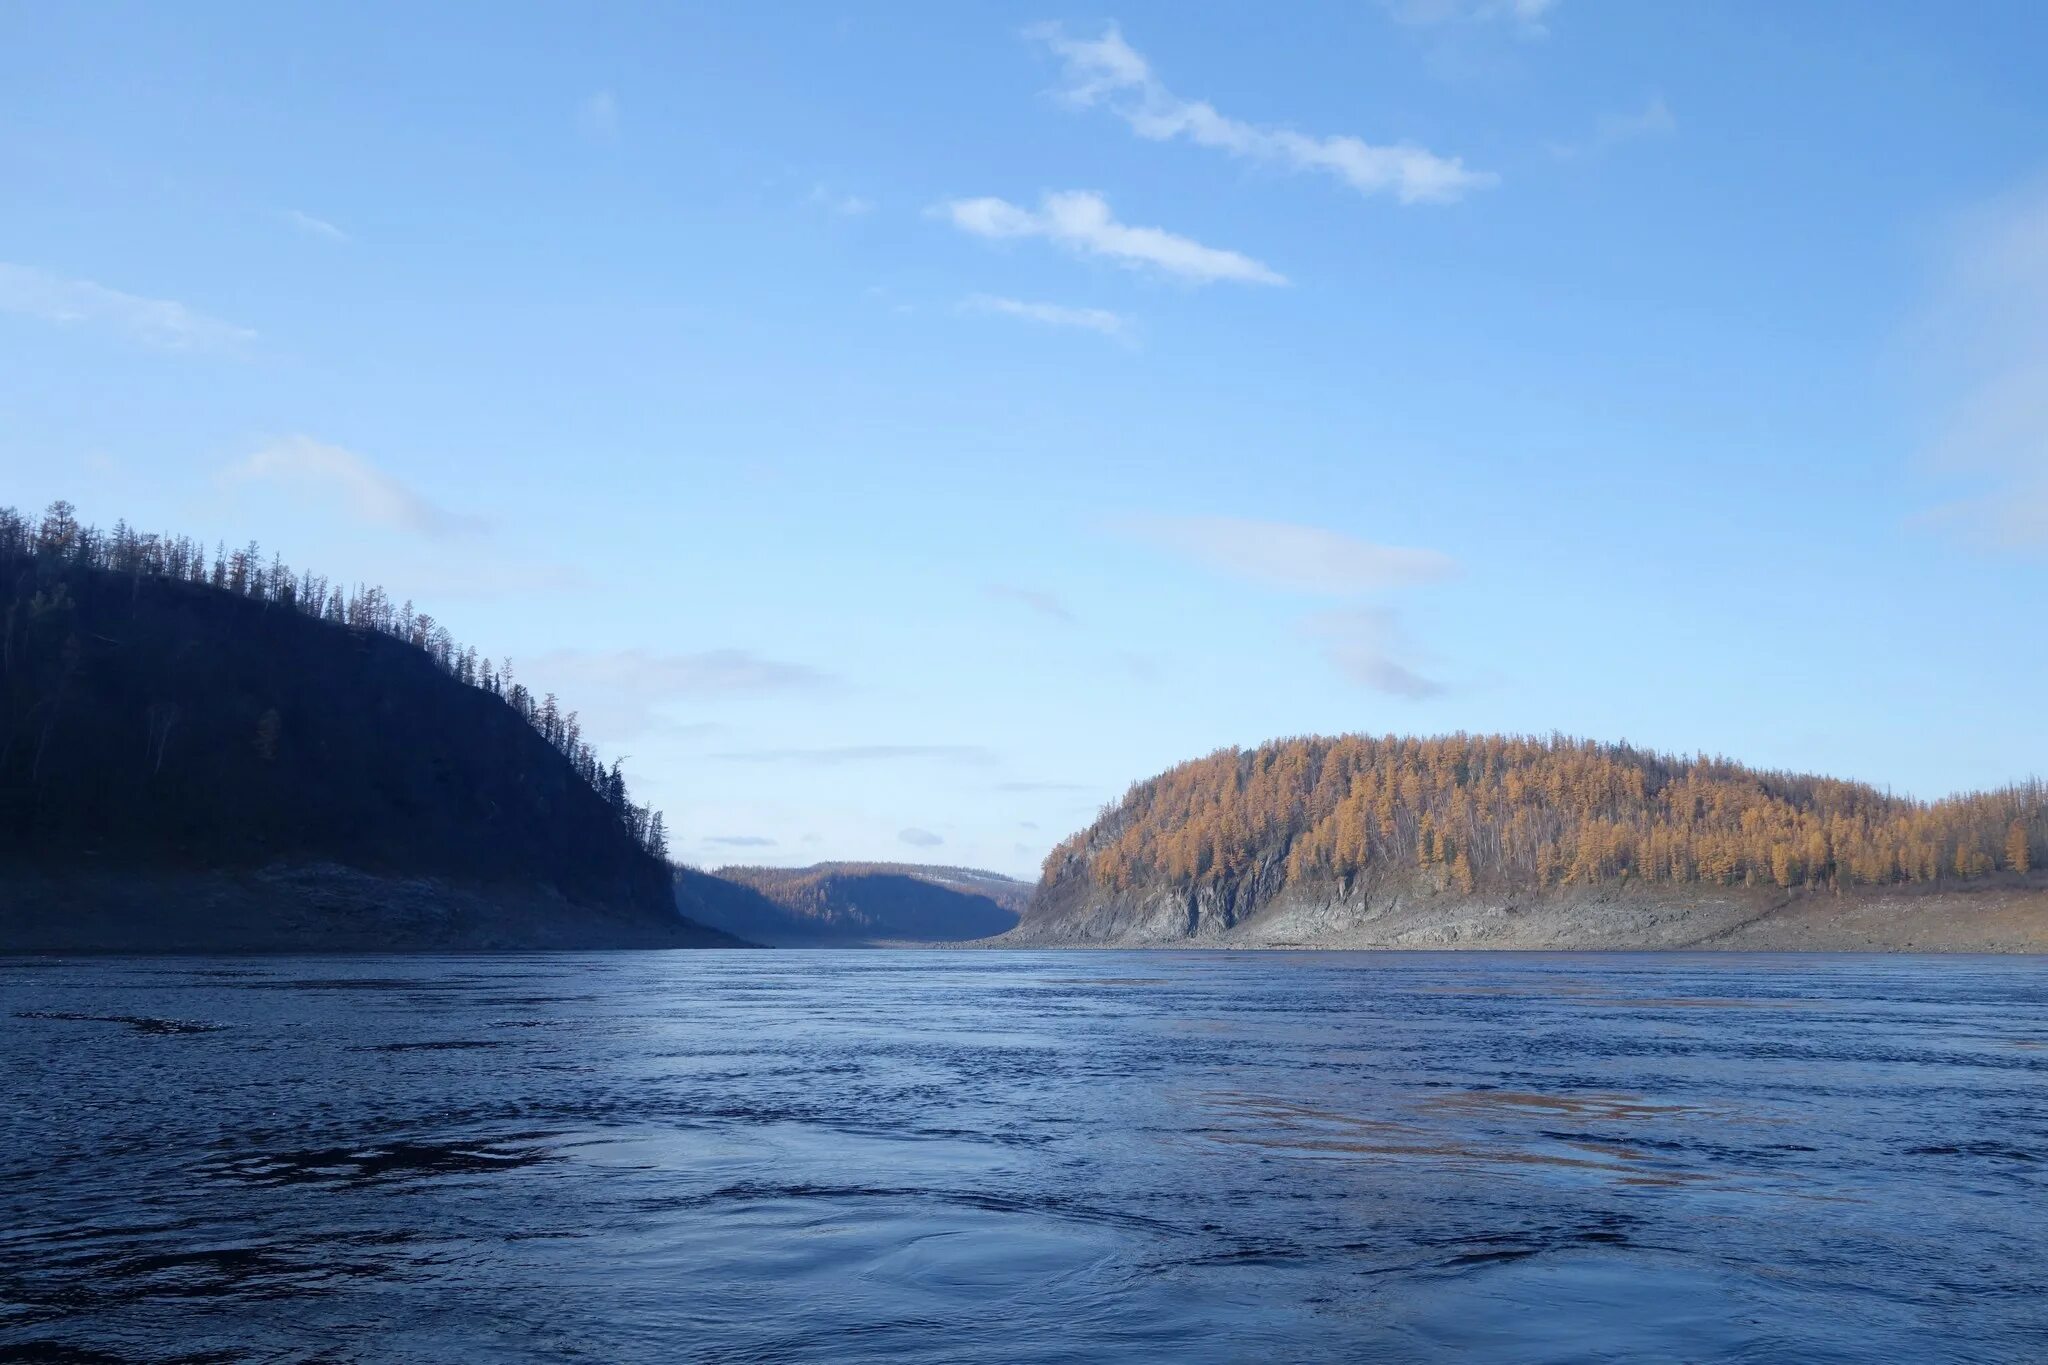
column 849, row 903
column 1525, row 842
column 211, row 752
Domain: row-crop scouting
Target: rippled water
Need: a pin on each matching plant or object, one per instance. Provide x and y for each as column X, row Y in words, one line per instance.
column 1028, row 1157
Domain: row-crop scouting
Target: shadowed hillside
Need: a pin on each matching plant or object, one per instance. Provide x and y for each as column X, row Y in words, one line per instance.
column 873, row 902
column 194, row 754
column 1312, row 840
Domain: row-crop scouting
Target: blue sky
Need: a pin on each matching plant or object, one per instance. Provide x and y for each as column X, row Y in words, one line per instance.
column 898, row 429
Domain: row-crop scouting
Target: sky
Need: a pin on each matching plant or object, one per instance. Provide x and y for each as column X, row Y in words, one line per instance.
column 896, row 430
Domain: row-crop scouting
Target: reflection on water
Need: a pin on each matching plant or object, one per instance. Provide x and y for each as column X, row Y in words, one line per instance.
column 1041, row 1157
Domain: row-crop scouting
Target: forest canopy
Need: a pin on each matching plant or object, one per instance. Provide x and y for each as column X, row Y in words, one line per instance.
column 1496, row 812
column 39, row 556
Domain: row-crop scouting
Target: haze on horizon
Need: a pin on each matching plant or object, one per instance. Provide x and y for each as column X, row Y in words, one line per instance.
column 898, row 432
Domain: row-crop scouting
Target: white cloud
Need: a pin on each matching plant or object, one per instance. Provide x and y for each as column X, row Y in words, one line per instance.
column 1113, row 325
column 1526, row 16
column 1361, row 642
column 321, row 470
column 840, row 205
column 1654, row 119
column 1106, row 71
column 1986, row 347
column 1303, row 558
column 622, row 691
column 314, row 227
column 1044, row 603
column 739, row 840
column 160, row 323
column 920, row 838
column 1081, row 222
column 597, row 117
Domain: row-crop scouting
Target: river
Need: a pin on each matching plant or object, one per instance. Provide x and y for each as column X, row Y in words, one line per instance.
column 985, row 1156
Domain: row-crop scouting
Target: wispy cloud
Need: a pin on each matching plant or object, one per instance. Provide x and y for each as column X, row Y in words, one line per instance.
column 314, row 227
column 1113, row 325
column 967, row 755
column 1525, row 16
column 739, row 840
column 1654, row 119
column 1362, row 642
column 1109, row 73
column 161, row 323
column 316, row 469
column 597, row 117
column 1985, row 346
column 497, row 575
column 624, row 691
column 1044, row 603
column 920, row 838
column 1146, row 668
column 1285, row 555
column 1080, row 221
column 839, row 205
column 1043, row 787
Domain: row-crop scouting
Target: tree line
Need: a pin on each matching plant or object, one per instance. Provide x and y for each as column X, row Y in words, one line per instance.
column 58, row 542
column 1476, row 812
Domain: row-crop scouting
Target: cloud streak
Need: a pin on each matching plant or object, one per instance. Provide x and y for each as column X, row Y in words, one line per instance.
column 597, row 117
column 623, row 691
column 1361, row 643
column 1524, row 15
column 316, row 469
column 1985, row 345
column 158, row 323
column 1112, row 325
column 1044, row 603
column 1300, row 558
column 1106, row 72
column 314, row 227
column 1654, row 119
column 966, row 755
column 920, row 838
column 1080, row 222
column 840, row 205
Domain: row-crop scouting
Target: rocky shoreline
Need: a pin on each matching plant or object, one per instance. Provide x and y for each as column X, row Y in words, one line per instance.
column 1988, row 920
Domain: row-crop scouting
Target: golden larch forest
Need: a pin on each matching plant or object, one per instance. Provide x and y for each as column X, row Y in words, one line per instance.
column 1491, row 812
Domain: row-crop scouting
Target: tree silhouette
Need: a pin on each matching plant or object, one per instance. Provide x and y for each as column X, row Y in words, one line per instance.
column 58, row 544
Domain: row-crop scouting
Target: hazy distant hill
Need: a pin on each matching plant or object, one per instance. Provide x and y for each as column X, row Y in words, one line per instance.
column 226, row 755
column 1523, row 842
column 872, row 902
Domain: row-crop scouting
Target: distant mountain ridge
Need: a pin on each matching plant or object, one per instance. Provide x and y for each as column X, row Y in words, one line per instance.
column 1506, row 841
column 225, row 755
column 873, row 903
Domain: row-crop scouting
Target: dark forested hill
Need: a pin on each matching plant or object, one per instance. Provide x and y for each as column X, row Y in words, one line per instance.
column 871, row 902
column 223, row 754
column 1420, row 841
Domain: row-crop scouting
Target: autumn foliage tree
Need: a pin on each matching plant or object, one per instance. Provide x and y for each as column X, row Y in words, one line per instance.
column 1513, row 813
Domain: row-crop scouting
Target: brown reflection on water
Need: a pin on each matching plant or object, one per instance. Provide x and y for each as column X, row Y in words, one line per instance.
column 1590, row 994
column 1597, row 1106
column 1441, row 1130
column 1701, row 1002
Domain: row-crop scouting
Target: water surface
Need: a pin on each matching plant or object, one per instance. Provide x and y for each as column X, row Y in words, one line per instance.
column 1025, row 1157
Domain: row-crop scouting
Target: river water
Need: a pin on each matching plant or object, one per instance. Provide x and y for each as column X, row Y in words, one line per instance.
column 903, row 1156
